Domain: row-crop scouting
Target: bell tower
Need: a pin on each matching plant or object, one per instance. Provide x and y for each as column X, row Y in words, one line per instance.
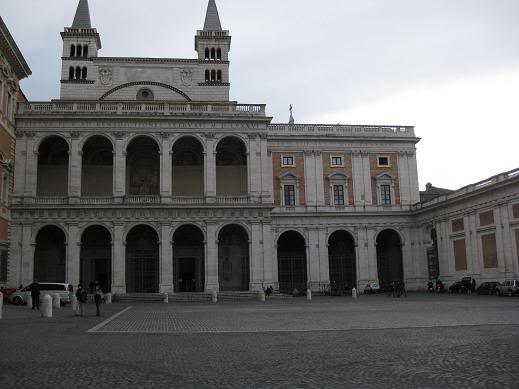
column 81, row 42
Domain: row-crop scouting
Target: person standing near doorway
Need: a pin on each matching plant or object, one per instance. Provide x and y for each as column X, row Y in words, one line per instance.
column 98, row 296
column 81, row 295
column 35, row 294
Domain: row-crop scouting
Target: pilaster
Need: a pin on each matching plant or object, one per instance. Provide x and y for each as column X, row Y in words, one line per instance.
column 211, row 259
column 474, row 260
column 319, row 178
column 324, row 264
column 75, row 165
column 266, row 170
column 119, row 166
column 256, row 257
column 28, row 247
column 31, row 167
column 20, row 166
column 210, row 168
column 73, row 252
column 310, row 179
column 118, row 260
column 15, row 255
column 254, row 166
column 313, row 260
column 404, row 178
column 269, row 256
column 166, row 260
column 166, row 170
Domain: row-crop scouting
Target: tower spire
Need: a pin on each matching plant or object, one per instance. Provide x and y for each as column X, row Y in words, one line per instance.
column 82, row 18
column 212, row 19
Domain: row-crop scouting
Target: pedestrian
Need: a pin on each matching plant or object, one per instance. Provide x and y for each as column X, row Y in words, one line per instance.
column 473, row 285
column 35, row 294
column 98, row 296
column 81, row 295
column 402, row 288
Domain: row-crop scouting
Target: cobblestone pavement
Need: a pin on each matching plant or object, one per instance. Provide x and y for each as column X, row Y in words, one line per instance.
column 424, row 341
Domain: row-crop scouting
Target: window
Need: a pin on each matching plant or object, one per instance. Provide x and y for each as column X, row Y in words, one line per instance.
column 213, row 75
column 71, row 73
column 72, row 50
column 385, row 194
column 145, row 94
column 213, row 54
column 336, row 161
column 207, row 76
column 207, row 53
column 338, row 194
column 3, row 266
column 289, row 195
column 5, row 188
column 84, row 73
column 287, row 161
column 78, row 73
column 219, row 54
column 85, row 51
column 78, row 51
column 219, row 76
column 383, row 161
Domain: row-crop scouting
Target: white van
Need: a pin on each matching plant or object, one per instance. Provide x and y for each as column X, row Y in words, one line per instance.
column 65, row 292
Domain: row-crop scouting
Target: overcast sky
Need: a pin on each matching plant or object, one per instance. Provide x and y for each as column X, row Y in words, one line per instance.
column 448, row 67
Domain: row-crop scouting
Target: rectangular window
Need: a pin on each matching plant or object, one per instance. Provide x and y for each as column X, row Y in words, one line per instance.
column 383, row 161
column 515, row 211
column 3, row 266
column 290, row 195
column 338, row 195
column 336, row 161
column 460, row 255
column 488, row 243
column 385, row 194
column 486, row 218
column 458, row 225
column 288, row 160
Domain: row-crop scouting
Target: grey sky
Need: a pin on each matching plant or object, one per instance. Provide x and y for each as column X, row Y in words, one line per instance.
column 450, row 67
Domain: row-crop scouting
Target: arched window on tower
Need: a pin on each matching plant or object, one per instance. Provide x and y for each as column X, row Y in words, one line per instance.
column 78, row 50
column 71, row 73
column 78, row 73
column 85, row 51
column 207, row 53
column 207, row 76
column 213, row 75
column 72, row 50
column 84, row 73
column 219, row 54
column 213, row 54
column 219, row 76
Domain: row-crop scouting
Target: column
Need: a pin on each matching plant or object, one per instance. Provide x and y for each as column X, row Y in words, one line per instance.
column 404, row 178
column 275, row 264
column 414, row 189
column 210, row 168
column 256, row 257
column 474, row 264
column 166, row 260
column 118, row 260
column 310, row 179
column 269, row 255
column 324, row 263
column 28, row 248
column 31, row 172
column 266, row 170
column 73, row 253
column 211, row 258
column 20, row 165
column 15, row 255
column 504, row 236
column 119, row 167
column 75, row 165
column 255, row 166
column 312, row 258
column 166, row 170
column 407, row 256
column 361, row 257
column 366, row 172
column 372, row 254
column 319, row 178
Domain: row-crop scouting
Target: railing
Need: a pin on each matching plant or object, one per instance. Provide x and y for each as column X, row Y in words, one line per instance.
column 188, row 200
column 142, row 199
column 96, row 200
column 55, row 200
column 133, row 107
column 340, row 130
column 233, row 200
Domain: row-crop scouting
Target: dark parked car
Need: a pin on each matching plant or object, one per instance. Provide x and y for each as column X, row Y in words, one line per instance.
column 488, row 287
column 456, row 287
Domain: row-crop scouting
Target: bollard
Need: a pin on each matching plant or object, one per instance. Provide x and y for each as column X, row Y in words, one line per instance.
column 308, row 294
column 354, row 293
column 108, row 298
column 46, row 306
column 73, row 303
column 261, row 296
column 166, row 298
column 214, row 296
column 56, row 301
column 1, row 304
column 29, row 300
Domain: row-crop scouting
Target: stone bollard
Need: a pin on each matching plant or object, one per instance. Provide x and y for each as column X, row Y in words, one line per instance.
column 354, row 293
column 46, row 306
column 56, row 301
column 166, row 298
column 1, row 304
column 108, row 298
column 73, row 303
column 29, row 301
column 261, row 296
column 214, row 297
column 309, row 294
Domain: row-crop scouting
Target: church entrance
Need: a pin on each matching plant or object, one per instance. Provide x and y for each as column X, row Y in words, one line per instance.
column 188, row 259
column 142, row 260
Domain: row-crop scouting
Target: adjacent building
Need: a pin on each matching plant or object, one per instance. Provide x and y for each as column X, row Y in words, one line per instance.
column 145, row 177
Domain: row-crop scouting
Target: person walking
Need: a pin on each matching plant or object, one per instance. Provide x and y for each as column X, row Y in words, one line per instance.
column 98, row 296
column 402, row 288
column 81, row 295
column 35, row 295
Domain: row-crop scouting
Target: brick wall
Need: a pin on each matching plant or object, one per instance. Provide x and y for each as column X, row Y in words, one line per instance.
column 328, row 170
column 376, row 170
column 298, row 170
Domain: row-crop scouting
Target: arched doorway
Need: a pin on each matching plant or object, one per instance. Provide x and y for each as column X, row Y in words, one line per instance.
column 97, row 167
column 188, row 168
column 292, row 272
column 389, row 258
column 231, row 168
column 143, row 167
column 53, row 155
column 50, row 255
column 96, row 258
column 188, row 259
column 341, row 256
column 142, row 260
column 233, row 259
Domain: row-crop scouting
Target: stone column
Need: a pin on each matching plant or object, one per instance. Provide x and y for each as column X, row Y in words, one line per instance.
column 269, row 256
column 31, row 172
column 28, row 248
column 256, row 257
column 15, row 255
column 266, row 170
column 166, row 260
column 504, row 238
column 361, row 178
column 211, row 258
column 73, row 253
column 118, row 260
column 366, row 170
column 255, row 166
column 404, row 178
column 372, row 254
column 361, row 255
column 20, row 165
column 310, row 179
column 75, row 165
column 313, row 258
column 166, row 170
column 414, row 190
column 319, row 178
column 324, row 260
column 119, row 167
column 474, row 265
column 210, row 169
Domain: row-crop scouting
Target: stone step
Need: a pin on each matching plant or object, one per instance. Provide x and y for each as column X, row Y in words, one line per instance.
column 139, row 297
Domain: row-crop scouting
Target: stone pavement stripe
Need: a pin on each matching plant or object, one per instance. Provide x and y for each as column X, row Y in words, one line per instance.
column 102, row 324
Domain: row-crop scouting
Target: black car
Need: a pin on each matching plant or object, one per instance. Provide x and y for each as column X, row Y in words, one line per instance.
column 488, row 287
column 456, row 287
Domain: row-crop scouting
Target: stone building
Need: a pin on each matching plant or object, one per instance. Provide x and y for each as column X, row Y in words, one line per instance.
column 146, row 178
column 13, row 68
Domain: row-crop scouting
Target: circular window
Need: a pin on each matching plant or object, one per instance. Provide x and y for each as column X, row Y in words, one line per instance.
column 145, row 94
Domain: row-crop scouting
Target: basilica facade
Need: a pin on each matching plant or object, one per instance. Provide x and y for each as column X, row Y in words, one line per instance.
column 144, row 177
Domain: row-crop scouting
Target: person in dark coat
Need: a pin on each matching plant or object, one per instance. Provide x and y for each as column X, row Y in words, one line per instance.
column 35, row 294
column 98, row 297
column 473, row 285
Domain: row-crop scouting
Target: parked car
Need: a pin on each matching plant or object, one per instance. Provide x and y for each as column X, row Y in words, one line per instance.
column 456, row 287
column 508, row 288
column 19, row 297
column 372, row 287
column 488, row 287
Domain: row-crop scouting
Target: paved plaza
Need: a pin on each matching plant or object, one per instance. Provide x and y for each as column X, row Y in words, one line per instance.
column 424, row 341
